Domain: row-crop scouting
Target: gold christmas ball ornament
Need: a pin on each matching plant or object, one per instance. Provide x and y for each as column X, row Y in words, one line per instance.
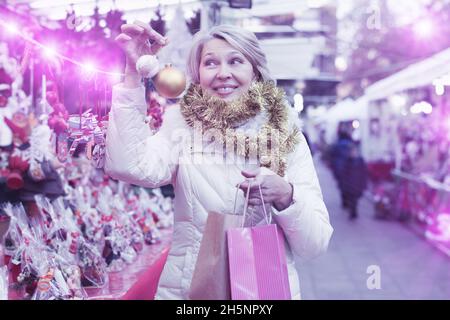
column 170, row 82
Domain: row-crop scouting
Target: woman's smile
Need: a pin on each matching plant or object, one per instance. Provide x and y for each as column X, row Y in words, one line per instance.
column 223, row 90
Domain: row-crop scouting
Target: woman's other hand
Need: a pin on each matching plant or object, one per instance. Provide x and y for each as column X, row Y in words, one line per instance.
column 275, row 190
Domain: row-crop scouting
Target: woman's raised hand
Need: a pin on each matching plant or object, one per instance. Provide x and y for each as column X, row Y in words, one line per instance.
column 138, row 39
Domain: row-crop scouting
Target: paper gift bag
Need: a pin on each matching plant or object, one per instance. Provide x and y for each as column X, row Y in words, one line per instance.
column 257, row 260
column 210, row 280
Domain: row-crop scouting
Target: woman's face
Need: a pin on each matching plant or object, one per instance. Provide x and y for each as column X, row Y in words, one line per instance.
column 224, row 71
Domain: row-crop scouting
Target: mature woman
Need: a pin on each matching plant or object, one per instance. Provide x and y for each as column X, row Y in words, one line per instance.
column 230, row 95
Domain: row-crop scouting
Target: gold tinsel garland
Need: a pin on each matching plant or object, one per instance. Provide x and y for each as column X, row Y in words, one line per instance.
column 270, row 145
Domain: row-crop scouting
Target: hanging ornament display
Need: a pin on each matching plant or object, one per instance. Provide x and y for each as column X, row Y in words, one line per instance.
column 57, row 119
column 87, row 130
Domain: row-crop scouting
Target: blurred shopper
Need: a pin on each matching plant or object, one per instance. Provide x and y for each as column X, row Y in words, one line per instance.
column 339, row 154
column 354, row 178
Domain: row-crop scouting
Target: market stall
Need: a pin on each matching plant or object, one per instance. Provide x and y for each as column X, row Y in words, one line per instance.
column 408, row 128
column 67, row 230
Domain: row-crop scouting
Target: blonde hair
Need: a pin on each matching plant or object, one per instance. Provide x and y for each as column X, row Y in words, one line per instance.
column 242, row 40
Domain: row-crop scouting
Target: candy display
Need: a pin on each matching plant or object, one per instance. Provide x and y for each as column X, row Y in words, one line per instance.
column 75, row 241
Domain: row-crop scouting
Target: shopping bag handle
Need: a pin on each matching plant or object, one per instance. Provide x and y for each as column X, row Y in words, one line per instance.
column 235, row 197
column 267, row 217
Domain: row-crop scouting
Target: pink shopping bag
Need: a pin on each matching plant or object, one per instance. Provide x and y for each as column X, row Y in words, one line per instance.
column 257, row 262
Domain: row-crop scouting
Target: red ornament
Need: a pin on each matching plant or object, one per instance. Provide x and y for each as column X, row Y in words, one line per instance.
column 106, row 218
column 155, row 217
column 58, row 118
column 51, row 86
column 18, row 163
column 60, row 109
column 20, row 126
column 74, row 243
column 57, row 123
column 52, row 98
column 18, row 166
column 3, row 101
column 14, row 181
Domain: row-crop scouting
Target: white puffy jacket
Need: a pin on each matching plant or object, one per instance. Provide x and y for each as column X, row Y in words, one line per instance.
column 201, row 184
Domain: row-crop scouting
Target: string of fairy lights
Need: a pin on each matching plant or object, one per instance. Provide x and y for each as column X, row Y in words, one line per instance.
column 51, row 52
